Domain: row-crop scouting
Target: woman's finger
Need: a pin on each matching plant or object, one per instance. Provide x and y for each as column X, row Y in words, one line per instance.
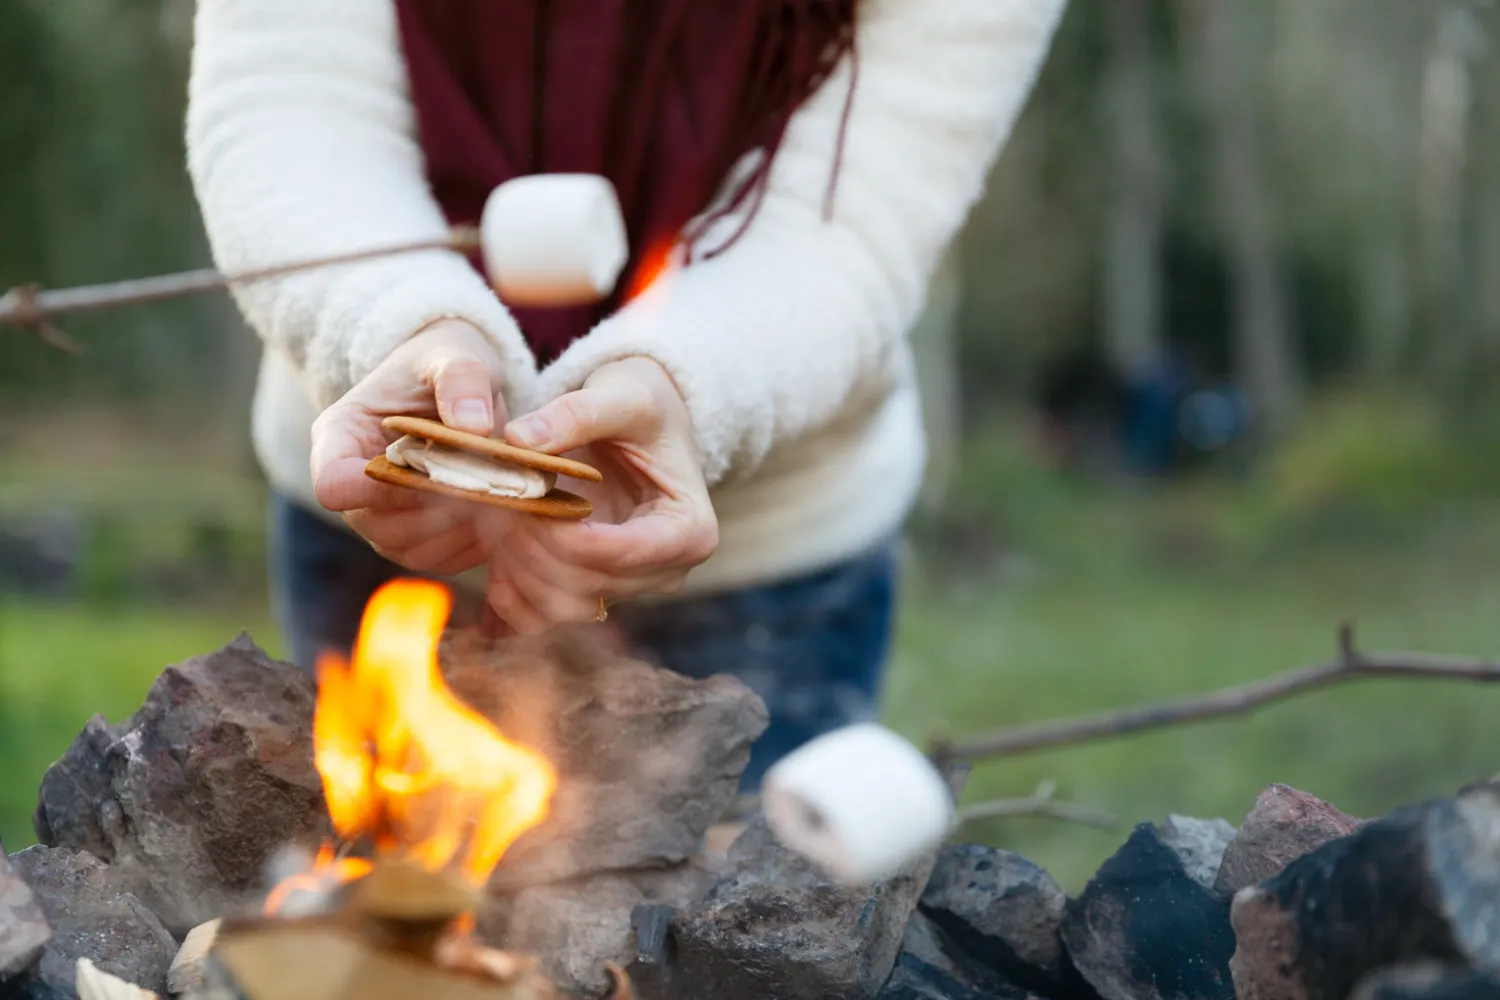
column 645, row 543
column 513, row 607
column 431, row 555
column 593, row 584
column 344, row 439
column 400, row 530
column 622, row 410
column 555, row 603
column 461, row 562
column 524, row 548
column 461, row 385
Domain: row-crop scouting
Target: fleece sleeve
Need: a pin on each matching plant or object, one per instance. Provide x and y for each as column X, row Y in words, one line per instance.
column 774, row 337
column 302, row 143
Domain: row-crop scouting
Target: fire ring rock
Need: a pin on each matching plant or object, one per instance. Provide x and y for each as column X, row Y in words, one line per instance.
column 93, row 915
column 1284, row 825
column 647, row 759
column 1418, row 885
column 189, row 799
column 24, row 931
column 1146, row 929
column 1428, row 981
column 776, row 927
column 1003, row 910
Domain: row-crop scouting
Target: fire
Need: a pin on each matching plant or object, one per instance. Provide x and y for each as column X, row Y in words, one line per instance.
column 408, row 765
column 327, row 870
column 655, row 261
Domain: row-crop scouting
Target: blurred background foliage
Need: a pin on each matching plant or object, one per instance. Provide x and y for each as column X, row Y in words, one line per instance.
column 1207, row 375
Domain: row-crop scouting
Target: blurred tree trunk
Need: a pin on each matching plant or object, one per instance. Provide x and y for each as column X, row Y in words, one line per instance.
column 935, row 343
column 1265, row 354
column 1444, row 225
column 1138, row 181
column 1382, row 252
column 1380, row 266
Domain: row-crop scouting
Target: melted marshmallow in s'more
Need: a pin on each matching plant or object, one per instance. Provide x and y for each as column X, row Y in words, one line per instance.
column 464, row 471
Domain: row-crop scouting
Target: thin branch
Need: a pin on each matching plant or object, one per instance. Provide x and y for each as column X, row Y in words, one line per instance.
column 1350, row 665
column 1038, row 803
column 34, row 308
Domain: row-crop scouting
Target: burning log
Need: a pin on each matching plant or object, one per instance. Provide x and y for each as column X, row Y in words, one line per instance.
column 187, row 973
column 395, row 933
column 93, row 983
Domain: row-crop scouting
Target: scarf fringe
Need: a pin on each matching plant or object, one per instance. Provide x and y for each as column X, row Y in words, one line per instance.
column 786, row 75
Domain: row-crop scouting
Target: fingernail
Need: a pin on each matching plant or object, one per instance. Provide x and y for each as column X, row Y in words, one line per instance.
column 530, row 431
column 471, row 412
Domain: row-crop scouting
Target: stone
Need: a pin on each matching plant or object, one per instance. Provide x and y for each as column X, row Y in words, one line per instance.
column 1418, row 885
column 1427, row 981
column 1001, row 909
column 926, row 949
column 1284, row 825
column 915, row 979
column 93, row 915
column 576, row 927
column 189, row 799
column 24, row 931
column 1200, row 843
column 647, row 759
column 774, row 926
column 1144, row 929
column 653, row 965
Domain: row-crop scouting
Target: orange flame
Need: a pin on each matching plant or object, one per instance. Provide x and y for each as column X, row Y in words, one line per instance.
column 327, row 870
column 655, row 262
column 408, row 764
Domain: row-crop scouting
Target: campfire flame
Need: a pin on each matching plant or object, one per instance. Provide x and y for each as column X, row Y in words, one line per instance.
column 405, row 763
column 654, row 264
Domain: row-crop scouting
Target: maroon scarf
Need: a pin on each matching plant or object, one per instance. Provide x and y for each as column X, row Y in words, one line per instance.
column 660, row 96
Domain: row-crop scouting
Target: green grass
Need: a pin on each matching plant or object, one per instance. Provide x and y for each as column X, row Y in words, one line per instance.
column 61, row 664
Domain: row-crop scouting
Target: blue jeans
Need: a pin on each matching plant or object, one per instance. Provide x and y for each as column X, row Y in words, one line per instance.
column 814, row 648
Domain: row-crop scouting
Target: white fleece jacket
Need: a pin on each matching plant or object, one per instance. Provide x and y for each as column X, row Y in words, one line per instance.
column 790, row 348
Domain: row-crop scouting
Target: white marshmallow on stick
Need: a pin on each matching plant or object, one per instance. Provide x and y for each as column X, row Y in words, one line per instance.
column 861, row 803
column 554, row 239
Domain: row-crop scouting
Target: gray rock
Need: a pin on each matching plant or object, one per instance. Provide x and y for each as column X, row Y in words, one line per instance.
column 914, row 979
column 577, row 927
column 1143, row 929
column 24, row 931
column 775, row 927
column 1418, row 885
column 1427, row 981
column 647, row 759
column 189, row 799
column 93, row 915
column 1001, row 909
column 932, row 962
column 1200, row 843
column 1284, row 825
column 653, row 965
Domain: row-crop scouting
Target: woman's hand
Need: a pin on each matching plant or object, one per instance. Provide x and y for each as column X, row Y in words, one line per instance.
column 653, row 521
column 448, row 370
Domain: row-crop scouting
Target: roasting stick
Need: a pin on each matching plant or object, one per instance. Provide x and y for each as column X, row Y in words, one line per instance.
column 37, row 309
column 546, row 240
column 30, row 304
